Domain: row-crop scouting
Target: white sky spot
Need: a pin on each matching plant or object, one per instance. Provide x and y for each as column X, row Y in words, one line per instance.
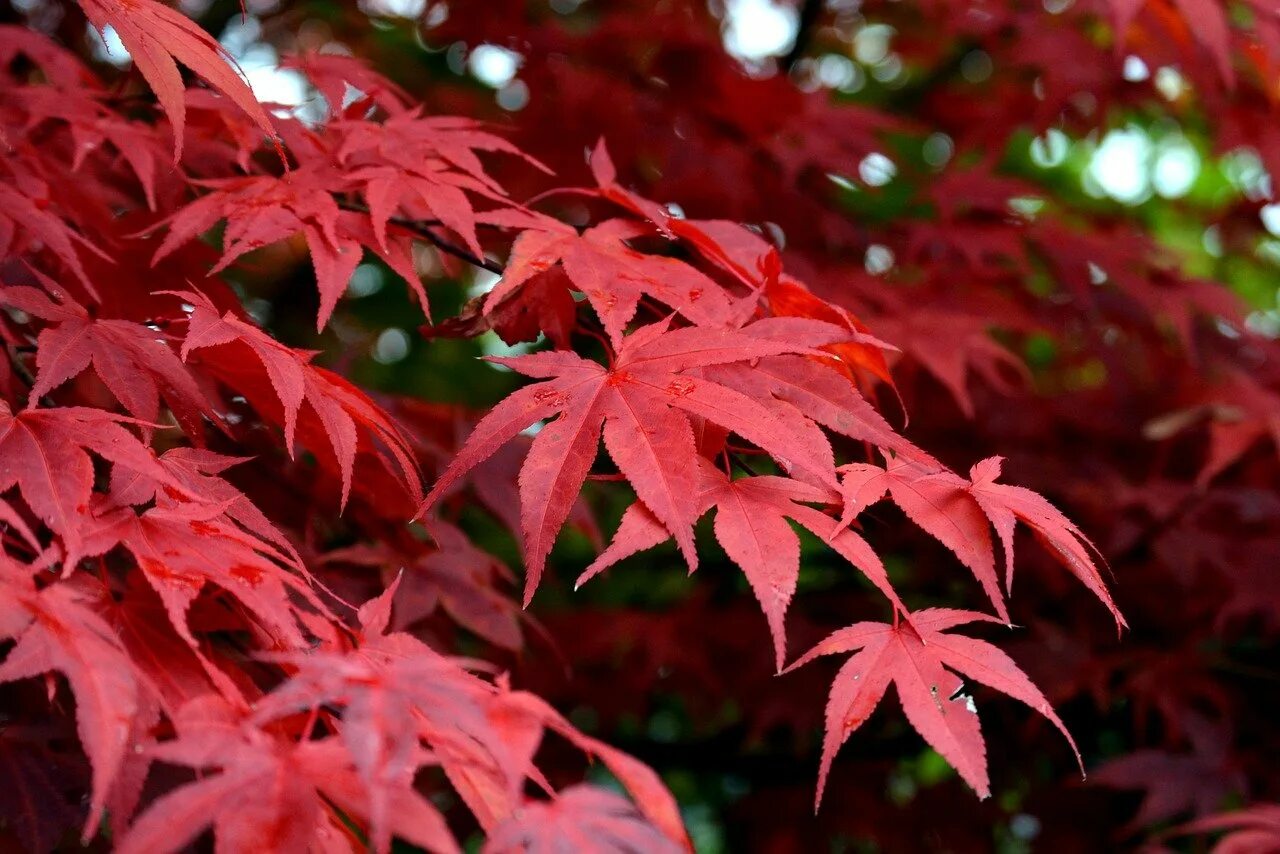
column 1266, row 323
column 1050, row 149
column 889, row 69
column 271, row 83
column 514, row 96
column 879, row 259
column 494, row 66
column 260, row 64
column 482, row 282
column 841, row 181
column 396, row 8
column 1270, row 215
column 1119, row 167
column 871, row 43
column 1176, row 168
column 107, row 47
column 1026, row 206
column 837, row 72
column 757, row 29
column 367, row 279
column 391, row 347
column 976, row 66
column 1170, row 83
column 876, row 170
column 1243, row 168
column 1024, row 826
column 937, row 149
column 1135, row 70
column 1211, row 240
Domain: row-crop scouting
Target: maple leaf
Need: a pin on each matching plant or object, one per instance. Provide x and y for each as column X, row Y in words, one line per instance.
column 249, row 569
column 951, row 346
column 135, row 363
column 263, row 209
column 651, row 797
column 1251, row 829
column 268, row 794
column 641, row 406
column 155, row 36
column 428, row 167
column 919, row 660
column 1194, row 781
column 170, row 666
column 1205, row 20
column 751, row 526
column 1007, row 505
column 614, row 276
column 457, row 577
column 307, row 398
column 937, row 501
column 45, row 453
column 788, row 297
column 818, row 389
column 588, row 819
column 55, row 631
column 332, row 73
column 394, row 690
column 197, row 470
column 24, row 210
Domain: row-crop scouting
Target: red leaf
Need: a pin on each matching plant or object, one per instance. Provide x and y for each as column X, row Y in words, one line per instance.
column 918, row 659
column 591, row 820
column 937, row 501
column 44, row 452
column 155, row 36
column 751, row 526
column 62, row 634
column 642, row 405
column 135, row 363
column 312, row 399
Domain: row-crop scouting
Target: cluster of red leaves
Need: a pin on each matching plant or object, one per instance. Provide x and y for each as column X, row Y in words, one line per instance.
column 204, row 622
column 195, row 631
column 195, row 619
column 1154, row 423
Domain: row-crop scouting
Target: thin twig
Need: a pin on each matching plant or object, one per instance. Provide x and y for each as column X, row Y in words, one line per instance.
column 422, row 228
column 425, row 232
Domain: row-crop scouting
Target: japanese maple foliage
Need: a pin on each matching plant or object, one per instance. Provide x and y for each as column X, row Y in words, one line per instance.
column 242, row 597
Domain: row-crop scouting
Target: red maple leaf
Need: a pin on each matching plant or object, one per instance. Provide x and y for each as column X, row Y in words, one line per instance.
column 751, row 526
column 300, row 396
column 155, row 36
column 591, row 820
column 641, row 405
column 268, row 794
column 45, row 453
column 919, row 660
column 55, row 631
column 135, row 363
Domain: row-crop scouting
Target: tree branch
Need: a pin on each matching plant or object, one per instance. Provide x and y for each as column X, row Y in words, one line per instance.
column 422, row 228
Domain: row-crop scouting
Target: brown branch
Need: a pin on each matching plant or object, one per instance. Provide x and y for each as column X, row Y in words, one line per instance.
column 422, row 228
